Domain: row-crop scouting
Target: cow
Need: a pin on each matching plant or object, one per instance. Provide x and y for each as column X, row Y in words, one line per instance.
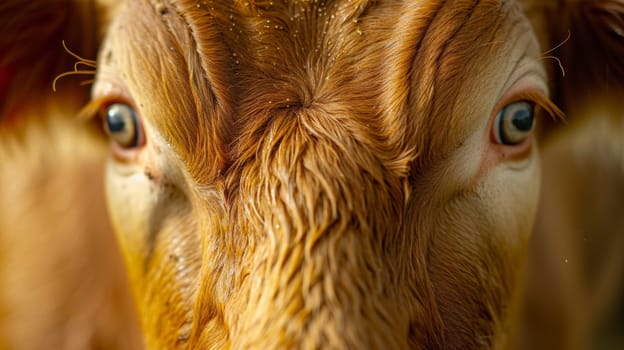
column 309, row 174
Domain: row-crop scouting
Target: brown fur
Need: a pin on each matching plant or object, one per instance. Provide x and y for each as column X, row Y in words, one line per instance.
column 302, row 182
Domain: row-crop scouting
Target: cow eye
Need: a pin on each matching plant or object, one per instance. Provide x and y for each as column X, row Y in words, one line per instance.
column 514, row 123
column 122, row 125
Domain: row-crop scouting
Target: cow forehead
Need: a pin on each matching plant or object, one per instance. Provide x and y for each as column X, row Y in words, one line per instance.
column 228, row 64
column 317, row 47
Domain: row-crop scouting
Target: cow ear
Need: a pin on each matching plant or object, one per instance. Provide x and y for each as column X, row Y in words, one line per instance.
column 32, row 51
column 584, row 45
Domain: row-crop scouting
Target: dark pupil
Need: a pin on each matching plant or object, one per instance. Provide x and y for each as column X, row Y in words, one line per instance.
column 523, row 119
column 115, row 120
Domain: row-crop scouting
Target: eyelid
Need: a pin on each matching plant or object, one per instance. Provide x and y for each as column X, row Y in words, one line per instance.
column 534, row 95
column 105, row 92
column 92, row 109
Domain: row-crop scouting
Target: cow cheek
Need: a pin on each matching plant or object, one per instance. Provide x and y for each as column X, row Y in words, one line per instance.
column 509, row 195
column 129, row 208
column 159, row 238
column 478, row 253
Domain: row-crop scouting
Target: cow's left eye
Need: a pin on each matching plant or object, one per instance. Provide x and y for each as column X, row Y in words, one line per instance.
column 122, row 125
column 514, row 123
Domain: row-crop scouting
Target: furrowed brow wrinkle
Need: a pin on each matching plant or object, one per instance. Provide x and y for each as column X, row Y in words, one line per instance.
column 444, row 48
column 215, row 85
column 184, row 81
column 454, row 52
column 521, row 58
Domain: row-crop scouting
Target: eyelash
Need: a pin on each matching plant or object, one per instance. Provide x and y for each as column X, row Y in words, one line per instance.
column 542, row 105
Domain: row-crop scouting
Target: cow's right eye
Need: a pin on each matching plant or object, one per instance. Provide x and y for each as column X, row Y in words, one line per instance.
column 514, row 123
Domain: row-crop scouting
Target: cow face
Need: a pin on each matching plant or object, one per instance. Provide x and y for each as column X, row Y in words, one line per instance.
column 319, row 174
